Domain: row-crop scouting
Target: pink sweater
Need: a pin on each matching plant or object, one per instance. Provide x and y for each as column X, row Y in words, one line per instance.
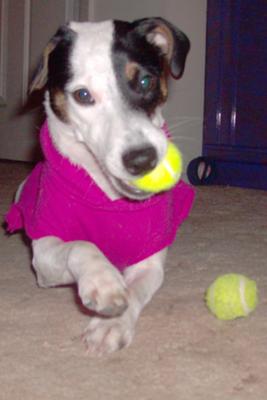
column 60, row 199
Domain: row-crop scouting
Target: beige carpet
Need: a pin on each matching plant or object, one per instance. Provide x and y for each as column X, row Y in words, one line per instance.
column 180, row 352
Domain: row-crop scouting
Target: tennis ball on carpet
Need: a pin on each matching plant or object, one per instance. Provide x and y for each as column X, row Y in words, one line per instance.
column 165, row 175
column 231, row 296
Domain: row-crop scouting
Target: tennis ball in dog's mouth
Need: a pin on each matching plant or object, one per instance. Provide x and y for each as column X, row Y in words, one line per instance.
column 165, row 175
column 231, row 296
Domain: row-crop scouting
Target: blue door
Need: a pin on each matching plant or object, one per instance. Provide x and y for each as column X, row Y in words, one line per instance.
column 235, row 121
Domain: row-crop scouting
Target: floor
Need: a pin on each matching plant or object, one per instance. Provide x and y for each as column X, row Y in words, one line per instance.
column 180, row 350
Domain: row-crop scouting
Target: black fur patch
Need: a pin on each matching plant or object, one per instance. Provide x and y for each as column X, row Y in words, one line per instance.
column 135, row 47
column 59, row 69
column 129, row 46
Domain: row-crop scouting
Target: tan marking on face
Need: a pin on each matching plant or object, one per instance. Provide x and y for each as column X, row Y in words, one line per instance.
column 131, row 68
column 164, row 82
column 59, row 104
column 164, row 87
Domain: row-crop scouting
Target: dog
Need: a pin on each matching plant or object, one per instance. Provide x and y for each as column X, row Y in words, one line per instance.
column 105, row 84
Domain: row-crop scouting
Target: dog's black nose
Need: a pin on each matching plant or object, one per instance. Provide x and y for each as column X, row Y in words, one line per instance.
column 138, row 161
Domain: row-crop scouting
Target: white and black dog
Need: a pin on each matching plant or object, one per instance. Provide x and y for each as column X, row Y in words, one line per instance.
column 105, row 85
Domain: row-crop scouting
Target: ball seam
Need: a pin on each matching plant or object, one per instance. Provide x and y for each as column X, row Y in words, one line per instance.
column 169, row 169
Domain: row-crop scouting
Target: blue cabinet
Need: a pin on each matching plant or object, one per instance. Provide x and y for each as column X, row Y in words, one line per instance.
column 235, row 120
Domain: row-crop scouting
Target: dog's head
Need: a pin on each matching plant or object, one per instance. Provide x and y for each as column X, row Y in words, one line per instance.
column 106, row 83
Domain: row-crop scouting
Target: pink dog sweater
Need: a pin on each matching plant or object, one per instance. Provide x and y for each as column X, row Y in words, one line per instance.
column 61, row 199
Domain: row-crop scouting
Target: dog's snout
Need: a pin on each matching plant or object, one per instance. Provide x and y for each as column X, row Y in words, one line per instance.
column 138, row 161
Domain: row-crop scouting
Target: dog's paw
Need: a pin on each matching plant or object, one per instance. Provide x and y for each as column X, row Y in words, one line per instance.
column 103, row 336
column 104, row 292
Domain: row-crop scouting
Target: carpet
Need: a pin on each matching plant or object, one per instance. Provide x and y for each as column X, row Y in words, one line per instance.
column 180, row 350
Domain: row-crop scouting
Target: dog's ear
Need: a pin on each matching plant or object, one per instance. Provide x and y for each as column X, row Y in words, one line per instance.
column 41, row 75
column 173, row 43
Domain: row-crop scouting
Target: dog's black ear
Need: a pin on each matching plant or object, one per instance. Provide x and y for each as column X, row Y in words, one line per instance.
column 173, row 43
column 41, row 75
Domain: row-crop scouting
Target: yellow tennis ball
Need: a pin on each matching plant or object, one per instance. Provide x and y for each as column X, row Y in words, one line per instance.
column 165, row 175
column 231, row 296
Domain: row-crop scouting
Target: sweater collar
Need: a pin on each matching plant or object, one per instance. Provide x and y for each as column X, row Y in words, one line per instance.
column 79, row 182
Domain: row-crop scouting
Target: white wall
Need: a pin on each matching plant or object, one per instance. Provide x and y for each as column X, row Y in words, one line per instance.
column 184, row 111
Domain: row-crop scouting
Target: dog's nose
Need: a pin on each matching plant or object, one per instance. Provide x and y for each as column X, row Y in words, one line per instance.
column 138, row 161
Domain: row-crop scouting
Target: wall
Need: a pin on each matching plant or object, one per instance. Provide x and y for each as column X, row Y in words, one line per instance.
column 184, row 111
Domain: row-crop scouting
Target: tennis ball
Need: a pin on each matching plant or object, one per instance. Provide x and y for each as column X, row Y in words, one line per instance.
column 165, row 175
column 231, row 296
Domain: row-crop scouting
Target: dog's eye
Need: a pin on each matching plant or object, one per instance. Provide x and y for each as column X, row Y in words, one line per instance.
column 147, row 83
column 83, row 96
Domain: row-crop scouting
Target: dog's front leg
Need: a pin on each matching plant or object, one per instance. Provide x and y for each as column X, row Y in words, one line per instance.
column 111, row 334
column 101, row 287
